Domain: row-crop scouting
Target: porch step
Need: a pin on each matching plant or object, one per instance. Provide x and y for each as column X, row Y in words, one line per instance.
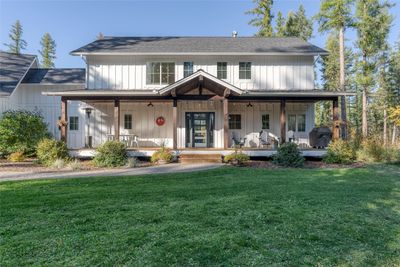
column 200, row 158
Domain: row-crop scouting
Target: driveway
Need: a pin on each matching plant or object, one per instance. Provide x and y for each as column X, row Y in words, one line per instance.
column 168, row 168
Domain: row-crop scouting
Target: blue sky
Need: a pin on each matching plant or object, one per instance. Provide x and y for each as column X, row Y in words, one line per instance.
column 74, row 23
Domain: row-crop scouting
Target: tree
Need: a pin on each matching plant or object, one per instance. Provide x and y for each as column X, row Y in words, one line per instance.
column 373, row 26
column 335, row 15
column 298, row 25
column 263, row 17
column 280, row 25
column 17, row 44
column 48, row 51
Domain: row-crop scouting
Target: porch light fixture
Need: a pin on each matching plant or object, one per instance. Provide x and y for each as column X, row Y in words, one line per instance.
column 150, row 104
column 249, row 105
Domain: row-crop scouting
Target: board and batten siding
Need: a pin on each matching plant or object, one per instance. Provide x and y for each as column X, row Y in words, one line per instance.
column 268, row 72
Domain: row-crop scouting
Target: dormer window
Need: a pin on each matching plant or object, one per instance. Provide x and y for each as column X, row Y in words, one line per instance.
column 160, row 73
column 245, row 70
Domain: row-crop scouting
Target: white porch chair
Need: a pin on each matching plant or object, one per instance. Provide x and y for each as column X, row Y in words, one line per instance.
column 238, row 141
column 267, row 139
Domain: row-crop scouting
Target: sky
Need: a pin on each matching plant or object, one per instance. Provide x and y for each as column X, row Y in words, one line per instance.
column 74, row 23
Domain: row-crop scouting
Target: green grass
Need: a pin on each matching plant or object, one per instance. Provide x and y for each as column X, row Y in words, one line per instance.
column 227, row 216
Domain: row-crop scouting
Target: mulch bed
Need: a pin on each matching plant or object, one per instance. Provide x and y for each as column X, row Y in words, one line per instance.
column 267, row 164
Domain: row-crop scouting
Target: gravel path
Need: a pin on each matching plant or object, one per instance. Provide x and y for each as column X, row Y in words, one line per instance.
column 168, row 168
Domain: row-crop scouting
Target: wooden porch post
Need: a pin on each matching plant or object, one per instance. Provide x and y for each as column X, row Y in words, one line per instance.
column 116, row 119
column 64, row 118
column 174, row 123
column 283, row 121
column 335, row 110
column 226, row 123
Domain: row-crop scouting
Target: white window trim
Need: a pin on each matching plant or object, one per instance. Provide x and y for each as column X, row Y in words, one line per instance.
column 297, row 114
column 251, row 71
column 158, row 85
column 270, row 118
column 227, row 70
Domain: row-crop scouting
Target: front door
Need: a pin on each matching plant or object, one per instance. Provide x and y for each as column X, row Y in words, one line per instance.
column 200, row 129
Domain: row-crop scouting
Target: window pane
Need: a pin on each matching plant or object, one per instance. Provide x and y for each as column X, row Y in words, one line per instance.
column 301, row 123
column 265, row 121
column 128, row 121
column 245, row 70
column 74, row 123
column 235, row 121
column 222, row 72
column 187, row 68
column 292, row 123
column 160, row 73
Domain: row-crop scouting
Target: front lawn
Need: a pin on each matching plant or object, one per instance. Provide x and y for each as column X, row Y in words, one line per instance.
column 226, row 216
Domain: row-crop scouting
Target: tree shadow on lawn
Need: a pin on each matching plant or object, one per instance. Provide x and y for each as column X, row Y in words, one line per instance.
column 227, row 216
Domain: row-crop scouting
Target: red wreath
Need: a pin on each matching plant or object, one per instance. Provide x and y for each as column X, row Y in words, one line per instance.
column 160, row 121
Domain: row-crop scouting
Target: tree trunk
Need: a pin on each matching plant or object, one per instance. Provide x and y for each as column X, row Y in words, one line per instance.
column 364, row 122
column 384, row 126
column 394, row 135
column 342, row 81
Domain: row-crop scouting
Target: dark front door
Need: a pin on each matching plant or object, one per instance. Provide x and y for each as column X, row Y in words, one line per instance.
column 200, row 129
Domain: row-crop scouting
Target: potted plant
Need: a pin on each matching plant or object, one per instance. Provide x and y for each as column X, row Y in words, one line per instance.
column 162, row 156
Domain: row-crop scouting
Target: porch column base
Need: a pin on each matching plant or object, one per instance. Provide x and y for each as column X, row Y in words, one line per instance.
column 336, row 123
column 64, row 119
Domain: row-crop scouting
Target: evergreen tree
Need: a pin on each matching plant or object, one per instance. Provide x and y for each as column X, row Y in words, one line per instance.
column 373, row 26
column 335, row 15
column 17, row 44
column 280, row 25
column 263, row 17
column 48, row 51
column 298, row 25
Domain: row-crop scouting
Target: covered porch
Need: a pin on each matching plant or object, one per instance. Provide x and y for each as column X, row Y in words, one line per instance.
column 197, row 113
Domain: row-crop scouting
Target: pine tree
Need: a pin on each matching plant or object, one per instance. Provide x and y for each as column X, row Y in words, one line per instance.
column 263, row 17
column 373, row 26
column 335, row 15
column 48, row 51
column 280, row 25
column 17, row 43
column 298, row 25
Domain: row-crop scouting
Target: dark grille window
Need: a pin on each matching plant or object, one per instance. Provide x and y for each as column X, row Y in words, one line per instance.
column 222, row 70
column 245, row 70
column 128, row 121
column 235, row 121
column 187, row 68
column 74, row 123
column 265, row 121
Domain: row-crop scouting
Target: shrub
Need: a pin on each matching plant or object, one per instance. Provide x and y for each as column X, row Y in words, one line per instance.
column 340, row 152
column 236, row 158
column 111, row 154
column 49, row 150
column 288, row 155
column 21, row 131
column 372, row 150
column 163, row 154
column 16, row 157
column 58, row 164
column 75, row 165
column 133, row 162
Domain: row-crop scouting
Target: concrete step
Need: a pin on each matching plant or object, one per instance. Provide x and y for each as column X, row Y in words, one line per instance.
column 200, row 158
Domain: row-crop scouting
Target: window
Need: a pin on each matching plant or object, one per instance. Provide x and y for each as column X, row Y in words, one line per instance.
column 245, row 70
column 292, row 123
column 222, row 70
column 235, row 121
column 74, row 123
column 301, row 123
column 265, row 121
column 297, row 123
column 187, row 68
column 128, row 121
column 160, row 73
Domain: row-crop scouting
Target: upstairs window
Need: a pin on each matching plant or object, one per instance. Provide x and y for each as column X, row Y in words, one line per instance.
column 222, row 70
column 235, row 121
column 73, row 123
column 187, row 69
column 245, row 70
column 160, row 73
column 128, row 121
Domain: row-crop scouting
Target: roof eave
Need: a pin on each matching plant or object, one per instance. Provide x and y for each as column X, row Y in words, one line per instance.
column 78, row 53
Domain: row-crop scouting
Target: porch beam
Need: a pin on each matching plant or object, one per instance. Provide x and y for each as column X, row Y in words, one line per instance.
column 117, row 115
column 283, row 121
column 335, row 117
column 226, row 123
column 174, row 124
column 64, row 118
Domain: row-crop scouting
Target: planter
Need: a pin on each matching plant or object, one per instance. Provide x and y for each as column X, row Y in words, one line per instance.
column 162, row 162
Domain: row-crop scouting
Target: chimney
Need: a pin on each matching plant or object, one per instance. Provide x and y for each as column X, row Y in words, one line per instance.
column 234, row 34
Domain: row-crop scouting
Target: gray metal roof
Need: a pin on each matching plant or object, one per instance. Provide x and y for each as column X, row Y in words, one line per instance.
column 12, row 70
column 55, row 76
column 199, row 45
